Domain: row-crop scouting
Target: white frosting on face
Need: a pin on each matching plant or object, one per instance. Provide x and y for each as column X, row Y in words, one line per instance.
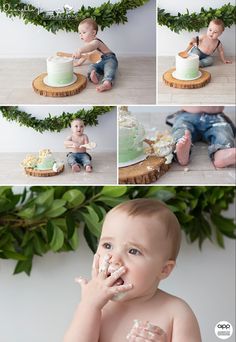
column 119, row 296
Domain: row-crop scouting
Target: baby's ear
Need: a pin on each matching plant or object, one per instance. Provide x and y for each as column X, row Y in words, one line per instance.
column 167, row 269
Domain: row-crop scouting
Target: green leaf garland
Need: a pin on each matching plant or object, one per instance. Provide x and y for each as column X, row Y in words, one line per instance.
column 196, row 21
column 67, row 19
column 47, row 218
column 53, row 123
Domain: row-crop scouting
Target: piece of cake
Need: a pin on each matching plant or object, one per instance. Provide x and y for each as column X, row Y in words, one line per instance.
column 187, row 68
column 131, row 137
column 59, row 71
column 45, row 162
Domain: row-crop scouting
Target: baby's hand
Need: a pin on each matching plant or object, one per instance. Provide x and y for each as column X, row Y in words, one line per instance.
column 144, row 332
column 76, row 55
column 101, row 288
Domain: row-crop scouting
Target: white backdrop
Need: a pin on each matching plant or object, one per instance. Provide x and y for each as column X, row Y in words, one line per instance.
column 39, row 308
column 137, row 37
column 169, row 43
column 16, row 138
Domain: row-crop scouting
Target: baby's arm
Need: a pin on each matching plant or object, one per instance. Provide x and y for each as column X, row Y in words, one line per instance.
column 222, row 55
column 89, row 47
column 185, row 325
column 68, row 143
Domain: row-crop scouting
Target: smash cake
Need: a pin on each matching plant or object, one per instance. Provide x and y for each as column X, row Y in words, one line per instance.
column 59, row 71
column 187, row 69
column 131, row 138
column 142, row 159
column 43, row 165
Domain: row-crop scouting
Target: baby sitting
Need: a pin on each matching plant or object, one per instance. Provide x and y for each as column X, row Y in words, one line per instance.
column 206, row 44
column 77, row 144
column 207, row 123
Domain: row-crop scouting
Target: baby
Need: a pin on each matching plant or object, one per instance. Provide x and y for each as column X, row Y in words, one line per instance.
column 78, row 155
column 108, row 64
column 205, row 45
column 209, row 124
column 139, row 243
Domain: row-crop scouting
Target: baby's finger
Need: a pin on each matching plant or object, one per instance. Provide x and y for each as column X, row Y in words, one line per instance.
column 81, row 281
column 95, row 267
column 121, row 288
column 104, row 266
column 153, row 328
column 115, row 276
column 135, row 338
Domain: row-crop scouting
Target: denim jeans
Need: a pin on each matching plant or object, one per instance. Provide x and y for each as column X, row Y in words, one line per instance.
column 211, row 128
column 106, row 67
column 81, row 158
column 204, row 60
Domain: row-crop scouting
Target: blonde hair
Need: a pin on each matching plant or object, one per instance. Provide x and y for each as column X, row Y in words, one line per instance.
column 148, row 207
column 78, row 119
column 218, row 22
column 90, row 22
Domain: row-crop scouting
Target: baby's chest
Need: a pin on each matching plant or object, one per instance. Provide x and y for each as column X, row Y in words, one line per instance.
column 115, row 327
column 78, row 139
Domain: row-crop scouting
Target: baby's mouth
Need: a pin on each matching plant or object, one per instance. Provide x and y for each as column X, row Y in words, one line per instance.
column 118, row 282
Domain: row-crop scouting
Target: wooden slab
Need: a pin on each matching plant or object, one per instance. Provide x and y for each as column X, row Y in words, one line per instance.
column 198, row 83
column 42, row 89
column 42, row 173
column 145, row 172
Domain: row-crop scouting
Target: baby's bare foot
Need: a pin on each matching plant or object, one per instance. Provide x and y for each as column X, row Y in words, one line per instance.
column 88, row 168
column 93, row 77
column 106, row 85
column 226, row 157
column 75, row 168
column 183, row 148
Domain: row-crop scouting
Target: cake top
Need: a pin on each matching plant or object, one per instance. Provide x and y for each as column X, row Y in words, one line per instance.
column 59, row 59
column 126, row 119
column 190, row 57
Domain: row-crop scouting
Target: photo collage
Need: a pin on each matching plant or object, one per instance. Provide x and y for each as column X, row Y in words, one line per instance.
column 118, row 180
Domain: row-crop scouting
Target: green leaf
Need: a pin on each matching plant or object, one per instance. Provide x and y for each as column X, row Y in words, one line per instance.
column 70, row 223
column 57, row 238
column 114, row 191
column 23, row 266
column 56, row 209
column 92, row 221
column 45, row 198
column 112, row 202
column 74, row 241
column 27, row 213
column 13, row 255
column 74, row 198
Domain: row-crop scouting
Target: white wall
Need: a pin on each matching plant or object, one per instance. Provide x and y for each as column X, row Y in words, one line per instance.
column 38, row 308
column 169, row 43
column 16, row 138
column 133, row 38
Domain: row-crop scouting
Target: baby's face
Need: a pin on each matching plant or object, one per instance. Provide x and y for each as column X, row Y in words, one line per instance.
column 138, row 244
column 214, row 31
column 86, row 32
column 77, row 127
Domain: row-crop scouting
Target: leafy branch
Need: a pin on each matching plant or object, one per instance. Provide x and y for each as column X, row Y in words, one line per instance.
column 53, row 123
column 67, row 19
column 47, row 218
column 196, row 21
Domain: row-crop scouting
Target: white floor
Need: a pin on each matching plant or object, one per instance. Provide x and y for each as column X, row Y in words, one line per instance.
column 221, row 89
column 135, row 83
column 104, row 171
column 200, row 169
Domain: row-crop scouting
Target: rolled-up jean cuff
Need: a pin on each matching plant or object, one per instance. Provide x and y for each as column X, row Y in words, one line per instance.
column 212, row 149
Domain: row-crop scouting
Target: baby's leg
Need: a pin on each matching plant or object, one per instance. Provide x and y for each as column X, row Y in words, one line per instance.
column 110, row 67
column 224, row 158
column 75, row 168
column 94, row 71
column 72, row 161
column 183, row 148
column 86, row 162
column 205, row 62
column 222, row 142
